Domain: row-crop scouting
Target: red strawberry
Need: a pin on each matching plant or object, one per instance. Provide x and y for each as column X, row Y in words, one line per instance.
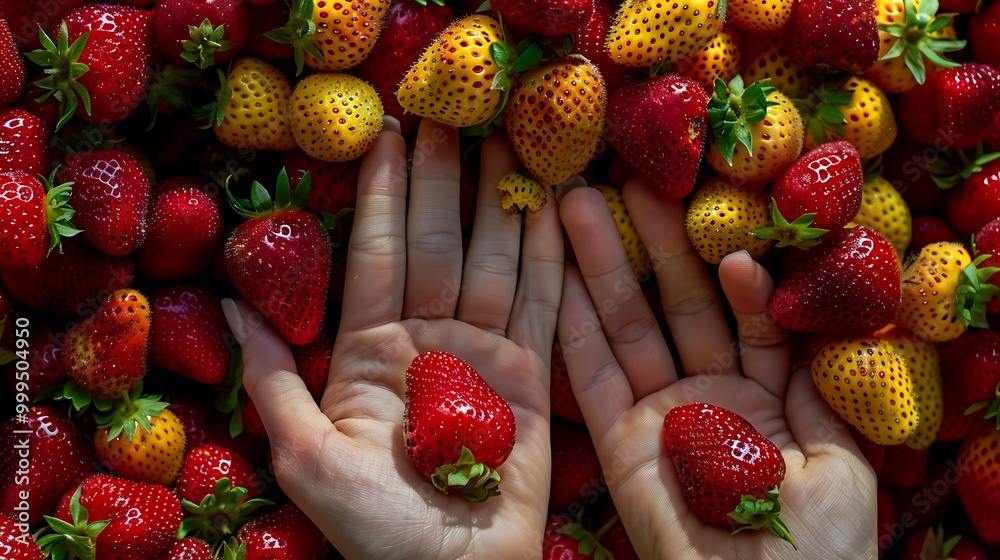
column 279, row 260
column 955, row 423
column 906, row 165
column 590, row 39
column 564, row 403
column 566, row 539
column 548, row 17
column 904, row 466
column 26, row 16
column 730, row 473
column 334, row 184
column 949, row 109
column 189, row 549
column 111, row 198
column 59, row 459
column 190, row 334
column 263, row 18
column 206, row 464
column 184, row 232
column 406, row 31
column 617, row 541
column 983, row 32
column 887, row 517
column 15, row 540
column 24, row 142
column 977, row 366
column 930, row 544
column 577, row 482
column 313, row 364
column 455, row 423
column 12, row 71
column 34, row 217
column 976, row 202
column 850, row 286
column 979, row 486
column 284, row 534
column 199, row 32
column 840, row 34
column 45, row 367
column 659, row 127
column 988, row 243
column 873, row 452
column 826, row 183
column 139, row 519
column 931, row 229
column 106, row 352
column 72, row 283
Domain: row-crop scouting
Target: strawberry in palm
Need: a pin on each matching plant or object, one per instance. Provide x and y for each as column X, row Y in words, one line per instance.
column 458, row 430
column 35, row 216
column 279, row 259
column 729, row 471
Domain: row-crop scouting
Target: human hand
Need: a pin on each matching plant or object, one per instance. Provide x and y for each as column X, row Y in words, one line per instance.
column 625, row 379
column 343, row 462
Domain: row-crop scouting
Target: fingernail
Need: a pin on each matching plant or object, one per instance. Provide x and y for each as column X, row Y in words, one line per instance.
column 236, row 323
column 391, row 124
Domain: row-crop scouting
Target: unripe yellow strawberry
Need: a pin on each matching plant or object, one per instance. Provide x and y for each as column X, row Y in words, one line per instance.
column 721, row 219
column 933, row 302
column 254, row 107
column 867, row 384
column 759, row 16
column 519, row 193
column 345, row 32
column 764, row 57
column 924, row 364
column 555, row 118
column 867, row 121
column 884, row 210
column 720, row 58
column 141, row 439
column 650, row 32
column 638, row 258
column 335, row 117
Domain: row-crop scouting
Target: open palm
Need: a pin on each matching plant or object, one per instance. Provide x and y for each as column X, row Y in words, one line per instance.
column 624, row 376
column 407, row 291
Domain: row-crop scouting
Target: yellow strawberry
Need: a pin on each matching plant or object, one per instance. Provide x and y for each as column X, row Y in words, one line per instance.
column 335, row 117
column 636, row 251
column 721, row 219
column 650, row 32
column 720, row 58
column 759, row 16
column 139, row 438
column 867, row 384
column 924, row 364
column 519, row 193
column 865, row 119
column 764, row 57
column 252, row 109
column 884, row 210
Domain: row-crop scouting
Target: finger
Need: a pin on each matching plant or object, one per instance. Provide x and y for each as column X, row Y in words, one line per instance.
column 628, row 323
column 817, row 429
column 690, row 301
column 599, row 383
column 376, row 258
column 490, row 275
column 764, row 348
column 434, row 228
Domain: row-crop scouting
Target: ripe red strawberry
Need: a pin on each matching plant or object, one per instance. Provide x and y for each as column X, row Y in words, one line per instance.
column 949, row 109
column 907, row 166
column 886, row 516
column 851, row 286
column 24, row 142
column 825, row 183
column 25, row 17
column 115, row 519
column 285, row 533
column 189, row 549
column 659, row 127
column 956, row 425
column 106, row 352
column 201, row 33
column 457, row 446
column 840, row 34
column 111, row 198
column 60, row 459
column 564, row 403
column 873, row 452
column 730, row 473
column 263, row 18
column 334, row 184
column 548, row 17
column 184, row 232
column 566, row 539
column 15, row 539
column 35, row 217
column 590, row 38
column 979, row 486
column 904, row 466
column 279, row 260
column 313, row 364
column 931, row 229
column 975, row 202
column 12, row 71
column 70, row 283
column 930, row 544
column 978, row 370
column 577, row 480
column 983, row 31
column 190, row 334
column 406, row 31
column 45, row 367
column 988, row 243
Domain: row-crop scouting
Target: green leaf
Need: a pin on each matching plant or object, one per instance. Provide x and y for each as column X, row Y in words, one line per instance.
column 742, row 133
column 259, row 197
column 898, row 48
column 915, row 62
column 529, row 58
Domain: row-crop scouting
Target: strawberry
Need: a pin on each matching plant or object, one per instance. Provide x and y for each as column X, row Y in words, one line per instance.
column 931, row 229
column 201, row 33
column 24, row 141
column 838, row 34
column 111, row 518
column 334, row 183
column 976, row 202
column 69, row 284
column 35, row 217
column 820, row 192
column 949, row 109
column 263, row 18
column 887, row 516
column 26, row 17
column 190, row 337
column 868, row 384
column 851, row 109
column 251, row 108
column 519, row 193
column 111, row 198
column 983, row 30
column 955, row 423
column 651, row 32
column 185, row 231
column 564, row 403
column 978, row 371
column 60, row 459
column 634, row 249
column 764, row 56
column 407, row 30
column 456, row 447
column 189, row 549
column 12, row 71
column 905, row 467
column 884, row 210
column 722, row 217
column 988, row 243
column 924, row 365
column 578, row 481
column 16, row 541
column 285, row 533
column 659, row 127
column 589, row 40
column 850, row 285
column 279, row 259
column 335, row 117
column 729, row 471
column 547, row 17
column 873, row 452
column 555, row 118
column 719, row 58
column 312, row 361
column 930, row 544
column 44, row 357
column 758, row 17
column 756, row 132
column 139, row 438
column 566, row 539
column 979, row 487
column 99, row 62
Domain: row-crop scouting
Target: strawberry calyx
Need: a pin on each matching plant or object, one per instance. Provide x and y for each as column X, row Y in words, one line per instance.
column 424, row 2
column 260, row 203
column 220, row 514
column 206, row 40
column 128, row 413
column 58, row 212
column 733, row 108
column 215, row 112
column 956, row 166
column 974, row 291
column 935, row 546
column 589, row 543
column 78, row 397
column 474, row 480
column 915, row 41
column 762, row 513
column 76, row 540
column 60, row 61
column 169, row 84
column 232, row 549
column 232, row 400
column 298, row 33
column 992, row 407
column 797, row 233
column 821, row 112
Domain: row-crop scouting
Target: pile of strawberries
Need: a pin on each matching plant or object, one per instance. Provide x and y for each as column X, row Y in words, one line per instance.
column 849, row 145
